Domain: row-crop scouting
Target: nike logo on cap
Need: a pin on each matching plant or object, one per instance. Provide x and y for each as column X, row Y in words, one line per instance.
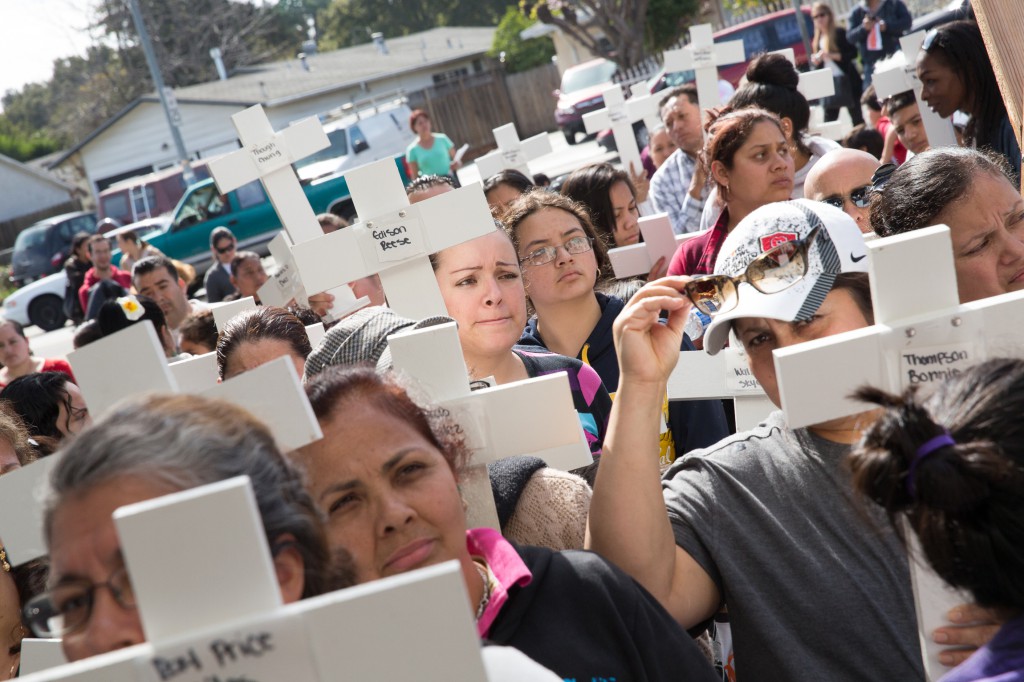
column 857, row 259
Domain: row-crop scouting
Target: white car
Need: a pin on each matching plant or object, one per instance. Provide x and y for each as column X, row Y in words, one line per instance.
column 40, row 303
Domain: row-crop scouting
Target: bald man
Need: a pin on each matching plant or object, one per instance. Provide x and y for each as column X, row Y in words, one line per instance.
column 843, row 178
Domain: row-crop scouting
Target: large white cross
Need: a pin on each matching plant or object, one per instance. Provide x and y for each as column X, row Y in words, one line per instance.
column 619, row 114
column 512, row 152
column 704, row 56
column 922, row 333
column 645, row 105
column 658, row 241
column 699, row 376
column 394, row 239
column 814, row 85
column 902, row 77
column 267, row 155
column 493, row 418
column 236, row 626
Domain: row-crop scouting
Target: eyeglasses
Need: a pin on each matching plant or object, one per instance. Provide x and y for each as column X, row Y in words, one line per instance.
column 225, row 249
column 860, row 197
column 882, row 175
column 819, row 16
column 929, row 38
column 66, row 608
column 773, row 271
column 546, row 254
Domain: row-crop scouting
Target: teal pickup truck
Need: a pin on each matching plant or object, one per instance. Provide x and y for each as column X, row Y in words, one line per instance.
column 246, row 211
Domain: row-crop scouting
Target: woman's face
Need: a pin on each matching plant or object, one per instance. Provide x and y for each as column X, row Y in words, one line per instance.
column 11, row 630
column 13, row 347
column 83, row 252
column 248, row 277
column 84, row 547
column 662, row 146
column 568, row 276
column 500, row 196
column 483, row 291
column 251, row 354
column 762, row 169
column 127, row 246
column 822, row 19
column 987, row 228
column 422, row 126
column 78, row 419
column 838, row 313
column 941, row 88
column 390, row 498
column 625, row 213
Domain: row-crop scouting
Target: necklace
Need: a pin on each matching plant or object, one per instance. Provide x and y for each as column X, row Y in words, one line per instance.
column 485, row 576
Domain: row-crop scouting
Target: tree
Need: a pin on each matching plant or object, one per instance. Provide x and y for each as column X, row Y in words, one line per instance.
column 350, row 22
column 624, row 31
column 516, row 53
column 767, row 5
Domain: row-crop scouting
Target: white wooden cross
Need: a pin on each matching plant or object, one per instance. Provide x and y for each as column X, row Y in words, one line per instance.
column 236, row 626
column 224, row 311
column 271, row 392
column 492, row 418
column 512, row 152
column 921, row 335
column 658, row 241
column 285, row 285
column 21, row 517
column 704, row 56
column 902, row 76
column 619, row 114
column 814, row 85
column 267, row 155
column 645, row 105
column 699, row 376
column 394, row 239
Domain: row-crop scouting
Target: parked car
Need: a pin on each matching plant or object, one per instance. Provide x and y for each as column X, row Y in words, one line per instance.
column 40, row 303
column 146, row 196
column 956, row 9
column 42, row 248
column 775, row 31
column 580, row 93
column 246, row 211
column 359, row 138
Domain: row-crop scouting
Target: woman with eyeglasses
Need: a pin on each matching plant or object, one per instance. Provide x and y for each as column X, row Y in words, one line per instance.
column 482, row 284
column 956, row 75
column 830, row 49
column 747, row 157
column 970, row 191
column 951, row 463
column 146, row 449
column 562, row 261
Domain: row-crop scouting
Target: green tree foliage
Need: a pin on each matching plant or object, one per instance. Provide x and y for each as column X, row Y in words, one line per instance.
column 519, row 54
column 350, row 22
column 666, row 22
column 744, row 5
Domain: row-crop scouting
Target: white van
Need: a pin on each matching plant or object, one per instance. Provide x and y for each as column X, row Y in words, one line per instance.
column 359, row 136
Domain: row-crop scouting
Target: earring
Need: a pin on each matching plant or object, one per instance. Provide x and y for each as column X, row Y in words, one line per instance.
column 4, row 564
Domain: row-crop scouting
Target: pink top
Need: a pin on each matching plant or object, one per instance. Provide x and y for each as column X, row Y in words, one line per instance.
column 506, row 566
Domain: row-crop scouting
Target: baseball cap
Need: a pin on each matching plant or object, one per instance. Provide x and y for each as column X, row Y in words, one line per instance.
column 839, row 247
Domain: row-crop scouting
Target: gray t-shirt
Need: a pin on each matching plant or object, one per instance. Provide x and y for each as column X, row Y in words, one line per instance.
column 816, row 584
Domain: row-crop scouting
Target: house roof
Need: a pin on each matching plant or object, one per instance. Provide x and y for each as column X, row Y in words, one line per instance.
column 280, row 82
column 40, row 175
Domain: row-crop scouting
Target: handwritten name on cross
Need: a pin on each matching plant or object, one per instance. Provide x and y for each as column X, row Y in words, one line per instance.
column 394, row 239
column 704, row 56
column 922, row 333
column 512, row 152
column 267, row 156
column 618, row 116
column 902, row 76
column 236, row 626
column 699, row 376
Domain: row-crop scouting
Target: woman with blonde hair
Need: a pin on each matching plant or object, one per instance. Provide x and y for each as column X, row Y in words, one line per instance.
column 830, row 49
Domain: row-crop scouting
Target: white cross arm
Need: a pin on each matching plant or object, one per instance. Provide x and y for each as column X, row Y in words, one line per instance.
column 699, row 376
column 703, row 51
column 22, row 492
column 659, row 241
column 643, row 105
column 224, row 311
column 813, row 84
column 196, row 374
column 512, row 153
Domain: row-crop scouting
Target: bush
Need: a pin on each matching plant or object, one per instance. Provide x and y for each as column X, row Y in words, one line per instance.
column 519, row 54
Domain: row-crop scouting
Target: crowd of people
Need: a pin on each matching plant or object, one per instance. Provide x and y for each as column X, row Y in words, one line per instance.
column 686, row 550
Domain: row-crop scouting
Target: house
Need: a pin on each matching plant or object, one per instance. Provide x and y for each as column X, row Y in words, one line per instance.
column 28, row 194
column 138, row 140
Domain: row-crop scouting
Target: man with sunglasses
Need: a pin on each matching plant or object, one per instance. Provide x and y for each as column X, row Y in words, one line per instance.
column 842, row 178
column 218, row 277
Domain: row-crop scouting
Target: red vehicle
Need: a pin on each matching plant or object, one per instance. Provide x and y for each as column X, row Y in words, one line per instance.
column 775, row 31
column 580, row 94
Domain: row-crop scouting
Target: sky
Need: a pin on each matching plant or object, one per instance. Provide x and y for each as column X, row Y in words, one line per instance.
column 35, row 32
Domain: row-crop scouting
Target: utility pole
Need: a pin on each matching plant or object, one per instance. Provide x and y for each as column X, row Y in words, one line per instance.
column 166, row 95
column 802, row 25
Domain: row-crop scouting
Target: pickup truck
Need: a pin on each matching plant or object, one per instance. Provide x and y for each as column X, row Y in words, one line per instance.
column 246, row 211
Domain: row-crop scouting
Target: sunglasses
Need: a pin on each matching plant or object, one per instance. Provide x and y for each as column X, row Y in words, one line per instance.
column 225, row 249
column 819, row 16
column 773, row 271
column 860, row 197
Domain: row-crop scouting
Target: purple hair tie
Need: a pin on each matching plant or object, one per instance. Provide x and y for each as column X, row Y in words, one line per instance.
column 928, row 447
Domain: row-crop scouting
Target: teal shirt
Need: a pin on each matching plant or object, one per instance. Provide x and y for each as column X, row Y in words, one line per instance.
column 434, row 161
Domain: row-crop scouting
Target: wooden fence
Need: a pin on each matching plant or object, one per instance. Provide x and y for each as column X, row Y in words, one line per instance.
column 469, row 108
